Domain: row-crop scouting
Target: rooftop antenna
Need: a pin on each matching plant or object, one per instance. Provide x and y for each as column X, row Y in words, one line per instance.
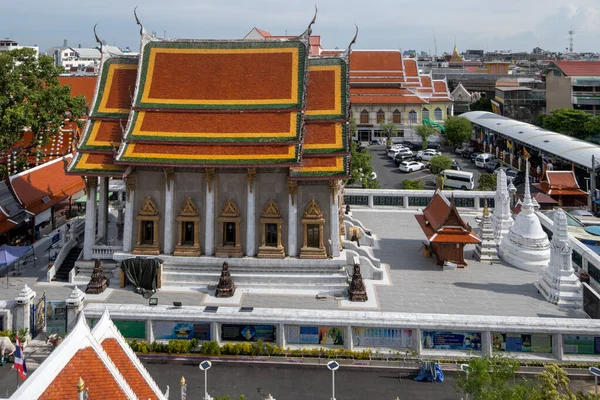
column 435, row 44
column 571, row 33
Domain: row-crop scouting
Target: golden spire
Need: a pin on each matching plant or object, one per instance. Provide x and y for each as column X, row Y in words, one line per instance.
column 182, row 381
column 80, row 385
column 486, row 211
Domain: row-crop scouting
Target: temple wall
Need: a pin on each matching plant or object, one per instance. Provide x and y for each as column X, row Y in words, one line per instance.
column 272, row 186
column 150, row 183
column 231, row 185
column 322, row 196
column 190, row 184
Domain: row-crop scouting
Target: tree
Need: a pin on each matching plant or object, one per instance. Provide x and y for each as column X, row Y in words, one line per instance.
column 487, row 182
column 577, row 123
column 483, row 104
column 31, row 98
column 458, row 130
column 362, row 170
column 413, row 184
column 439, row 163
column 425, row 132
column 389, row 130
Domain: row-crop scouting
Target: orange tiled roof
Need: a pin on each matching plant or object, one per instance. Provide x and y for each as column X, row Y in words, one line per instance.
column 87, row 365
column 131, row 374
column 426, row 81
column 440, row 87
column 579, row 68
column 365, row 60
column 410, row 67
column 441, row 223
column 560, row 183
column 47, row 180
column 80, row 85
column 379, row 90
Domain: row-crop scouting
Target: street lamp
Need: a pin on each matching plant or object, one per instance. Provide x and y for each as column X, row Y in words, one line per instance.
column 466, row 368
column 205, row 366
column 596, row 372
column 333, row 366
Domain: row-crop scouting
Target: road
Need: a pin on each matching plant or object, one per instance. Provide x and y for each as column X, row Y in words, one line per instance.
column 390, row 177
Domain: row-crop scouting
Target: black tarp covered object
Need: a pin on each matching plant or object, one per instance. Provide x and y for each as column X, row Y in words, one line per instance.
column 142, row 272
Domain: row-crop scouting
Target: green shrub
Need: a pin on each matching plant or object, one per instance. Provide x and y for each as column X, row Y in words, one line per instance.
column 413, row 184
column 178, row 347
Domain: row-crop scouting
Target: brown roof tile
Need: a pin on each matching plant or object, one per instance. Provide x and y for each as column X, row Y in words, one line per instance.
column 376, row 60
column 579, row 68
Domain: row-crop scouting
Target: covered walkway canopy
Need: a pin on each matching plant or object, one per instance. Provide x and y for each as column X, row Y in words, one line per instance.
column 564, row 147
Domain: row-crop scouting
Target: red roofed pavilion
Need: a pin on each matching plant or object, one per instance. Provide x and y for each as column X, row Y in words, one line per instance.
column 446, row 231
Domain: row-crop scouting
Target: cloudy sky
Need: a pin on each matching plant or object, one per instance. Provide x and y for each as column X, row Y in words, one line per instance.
column 406, row 24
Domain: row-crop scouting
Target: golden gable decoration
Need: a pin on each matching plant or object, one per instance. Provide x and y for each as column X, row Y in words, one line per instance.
column 148, row 207
column 230, row 209
column 147, row 239
column 271, row 221
column 229, row 239
column 188, row 223
column 313, row 223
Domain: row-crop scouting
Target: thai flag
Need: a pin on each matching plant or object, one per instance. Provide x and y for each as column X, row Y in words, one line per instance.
column 20, row 361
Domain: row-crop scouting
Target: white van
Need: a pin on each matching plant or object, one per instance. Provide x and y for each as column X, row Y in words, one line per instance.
column 481, row 159
column 458, row 179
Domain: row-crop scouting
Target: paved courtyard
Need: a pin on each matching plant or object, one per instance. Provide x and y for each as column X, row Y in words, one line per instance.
column 417, row 284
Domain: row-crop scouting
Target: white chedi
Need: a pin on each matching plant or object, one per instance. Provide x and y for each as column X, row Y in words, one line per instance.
column 526, row 246
column 502, row 217
column 558, row 283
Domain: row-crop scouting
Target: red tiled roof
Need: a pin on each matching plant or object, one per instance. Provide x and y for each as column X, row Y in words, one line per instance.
column 387, row 100
column 439, row 87
column 84, row 85
column 262, row 32
column 331, row 52
column 376, row 60
column 426, row 81
column 47, row 180
column 436, row 211
column 565, row 179
column 410, row 66
column 87, row 365
column 379, row 90
column 579, row 68
column 132, row 375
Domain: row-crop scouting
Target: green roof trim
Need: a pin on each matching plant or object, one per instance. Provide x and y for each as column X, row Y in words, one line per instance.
column 103, row 76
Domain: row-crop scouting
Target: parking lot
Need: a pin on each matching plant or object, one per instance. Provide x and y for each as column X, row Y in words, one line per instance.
column 390, row 177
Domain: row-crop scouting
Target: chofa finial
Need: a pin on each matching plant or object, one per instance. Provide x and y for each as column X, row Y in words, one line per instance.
column 97, row 38
column 353, row 39
column 308, row 30
column 137, row 20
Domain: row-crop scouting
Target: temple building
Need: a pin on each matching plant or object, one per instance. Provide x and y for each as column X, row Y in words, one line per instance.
column 446, row 231
column 562, row 186
column 228, row 148
column 526, row 245
column 558, row 283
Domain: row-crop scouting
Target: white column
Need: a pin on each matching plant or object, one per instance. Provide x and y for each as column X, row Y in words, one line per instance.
column 292, row 246
column 334, row 225
column 417, row 340
column 168, row 245
column 128, row 227
column 557, row 346
column 348, row 338
column 90, row 219
column 149, row 331
column 215, row 332
column 74, row 305
column 281, row 335
column 209, row 220
column 103, row 208
column 251, row 220
column 23, row 309
column 486, row 343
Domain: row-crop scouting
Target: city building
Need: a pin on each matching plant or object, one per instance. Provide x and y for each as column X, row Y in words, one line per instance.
column 9, row 44
column 573, row 84
column 520, row 102
column 242, row 155
column 314, row 41
column 388, row 88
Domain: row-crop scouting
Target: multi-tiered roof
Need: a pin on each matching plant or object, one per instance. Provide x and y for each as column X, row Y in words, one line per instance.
column 219, row 103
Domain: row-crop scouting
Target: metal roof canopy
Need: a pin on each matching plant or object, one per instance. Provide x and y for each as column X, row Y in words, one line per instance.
column 562, row 146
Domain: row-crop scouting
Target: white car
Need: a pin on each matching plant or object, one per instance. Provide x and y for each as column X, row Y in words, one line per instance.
column 411, row 166
column 427, row 155
column 395, row 150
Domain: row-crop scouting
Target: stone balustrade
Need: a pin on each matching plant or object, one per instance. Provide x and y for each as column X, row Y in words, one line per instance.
column 415, row 198
column 104, row 252
column 352, row 325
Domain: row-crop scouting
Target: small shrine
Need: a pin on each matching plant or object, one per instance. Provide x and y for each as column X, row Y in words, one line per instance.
column 446, row 231
column 98, row 283
column 486, row 250
column 226, row 287
column 562, row 186
column 558, row 283
column 526, row 246
column 357, row 290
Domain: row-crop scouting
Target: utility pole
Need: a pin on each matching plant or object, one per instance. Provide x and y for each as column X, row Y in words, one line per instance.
column 571, row 33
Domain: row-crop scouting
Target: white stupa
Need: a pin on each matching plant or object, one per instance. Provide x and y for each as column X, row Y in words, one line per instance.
column 558, row 283
column 502, row 218
column 486, row 250
column 526, row 245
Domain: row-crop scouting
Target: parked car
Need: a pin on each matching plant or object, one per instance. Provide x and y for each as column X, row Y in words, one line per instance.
column 434, row 146
column 460, row 149
column 457, row 179
column 483, row 159
column 456, row 166
column 403, row 156
column 426, row 155
column 408, row 144
column 493, row 165
column 474, row 155
column 467, row 151
column 411, row 166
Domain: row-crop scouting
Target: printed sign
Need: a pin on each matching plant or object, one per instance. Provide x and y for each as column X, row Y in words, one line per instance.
column 56, row 318
column 322, row 335
column 167, row 330
column 248, row 333
column 129, row 329
column 382, row 337
column 452, row 340
column 575, row 344
column 516, row 342
column 202, row 331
